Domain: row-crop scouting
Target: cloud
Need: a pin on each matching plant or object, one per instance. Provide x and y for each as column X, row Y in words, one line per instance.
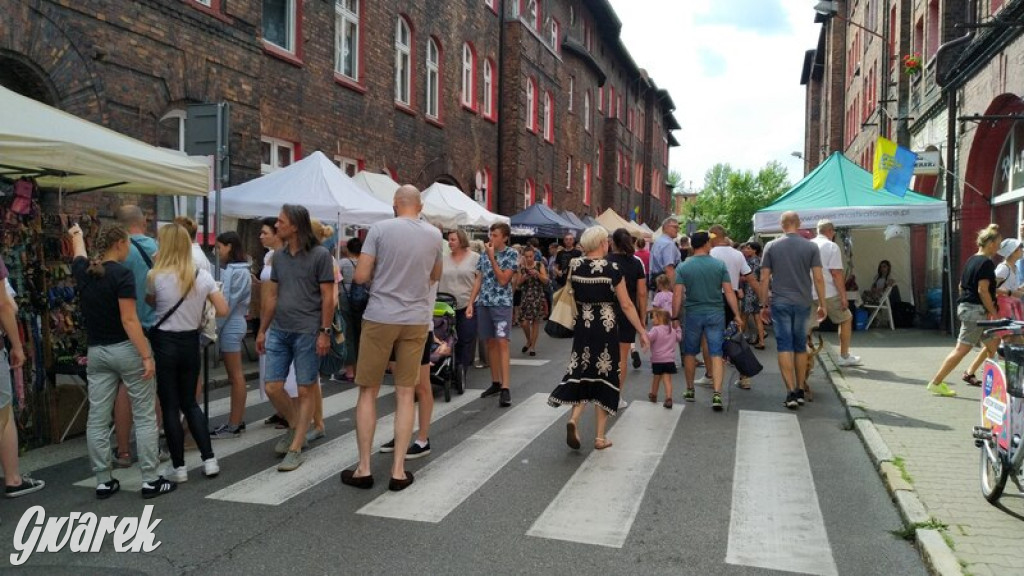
column 712, row 63
column 765, row 17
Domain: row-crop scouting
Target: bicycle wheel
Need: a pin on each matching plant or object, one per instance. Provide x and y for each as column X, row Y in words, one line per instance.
column 994, row 472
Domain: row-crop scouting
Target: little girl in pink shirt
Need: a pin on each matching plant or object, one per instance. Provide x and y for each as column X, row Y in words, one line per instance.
column 664, row 341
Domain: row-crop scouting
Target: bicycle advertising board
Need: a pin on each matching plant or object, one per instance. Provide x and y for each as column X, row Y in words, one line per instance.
column 994, row 402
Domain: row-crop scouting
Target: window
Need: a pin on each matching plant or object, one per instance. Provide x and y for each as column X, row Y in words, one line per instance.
column 547, row 195
column 586, row 184
column 638, row 179
column 346, row 38
column 529, row 193
column 489, row 89
column 600, row 99
column 549, row 117
column 618, row 167
column 618, row 114
column 433, row 79
column 403, row 60
column 468, row 76
column 572, row 91
column 600, row 155
column 611, row 102
column 172, row 130
column 554, row 33
column 275, row 154
column 349, row 166
column 568, row 174
column 531, row 105
column 492, row 4
column 532, row 14
column 586, row 111
column 934, row 24
column 279, row 23
column 482, row 194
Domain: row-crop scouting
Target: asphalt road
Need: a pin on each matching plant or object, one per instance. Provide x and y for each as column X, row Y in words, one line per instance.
column 508, row 496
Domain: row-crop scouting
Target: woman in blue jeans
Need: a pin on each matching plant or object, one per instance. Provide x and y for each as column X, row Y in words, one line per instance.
column 118, row 352
column 237, row 288
column 179, row 293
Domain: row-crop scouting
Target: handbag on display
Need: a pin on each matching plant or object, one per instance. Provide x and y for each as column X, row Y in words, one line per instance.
column 562, row 320
column 337, row 355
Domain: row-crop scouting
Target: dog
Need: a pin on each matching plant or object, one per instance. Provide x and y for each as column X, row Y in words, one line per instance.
column 812, row 355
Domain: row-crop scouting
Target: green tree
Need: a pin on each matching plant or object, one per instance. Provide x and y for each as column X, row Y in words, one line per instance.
column 730, row 197
column 675, row 180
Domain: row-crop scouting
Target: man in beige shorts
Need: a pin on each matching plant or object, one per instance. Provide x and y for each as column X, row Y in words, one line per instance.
column 837, row 306
column 400, row 260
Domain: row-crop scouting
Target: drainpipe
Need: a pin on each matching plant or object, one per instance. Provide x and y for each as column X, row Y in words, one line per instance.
column 500, row 180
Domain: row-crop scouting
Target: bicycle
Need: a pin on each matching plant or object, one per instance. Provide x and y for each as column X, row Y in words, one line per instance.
column 1002, row 412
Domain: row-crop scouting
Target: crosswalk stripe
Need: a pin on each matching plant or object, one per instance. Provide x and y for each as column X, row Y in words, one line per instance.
column 222, row 406
column 131, row 478
column 599, row 503
column 527, row 362
column 449, row 480
column 321, row 462
column 776, row 521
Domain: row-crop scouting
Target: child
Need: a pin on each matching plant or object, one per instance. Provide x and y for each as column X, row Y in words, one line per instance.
column 664, row 339
column 663, row 297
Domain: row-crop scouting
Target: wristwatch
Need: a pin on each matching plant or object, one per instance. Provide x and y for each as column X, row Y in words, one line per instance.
column 328, row 330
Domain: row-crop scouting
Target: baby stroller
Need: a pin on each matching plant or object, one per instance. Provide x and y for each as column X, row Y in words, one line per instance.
column 443, row 371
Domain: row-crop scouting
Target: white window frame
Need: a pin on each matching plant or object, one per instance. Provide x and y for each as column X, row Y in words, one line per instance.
column 345, row 163
column 554, row 31
column 531, row 105
column 433, row 61
column 207, row 3
column 548, row 108
column 290, row 27
column 468, row 76
column 403, row 62
column 529, row 193
column 275, row 145
column 586, row 111
column 488, row 89
column 346, row 13
column 532, row 13
column 572, row 91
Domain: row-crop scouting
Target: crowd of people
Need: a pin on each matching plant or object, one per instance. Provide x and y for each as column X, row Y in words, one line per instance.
column 148, row 302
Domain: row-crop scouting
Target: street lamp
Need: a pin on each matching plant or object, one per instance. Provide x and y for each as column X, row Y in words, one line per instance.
column 799, row 155
column 830, row 9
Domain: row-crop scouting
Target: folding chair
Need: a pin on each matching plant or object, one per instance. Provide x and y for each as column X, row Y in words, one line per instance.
column 883, row 305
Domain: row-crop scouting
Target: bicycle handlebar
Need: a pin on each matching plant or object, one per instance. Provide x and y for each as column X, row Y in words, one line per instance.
column 998, row 323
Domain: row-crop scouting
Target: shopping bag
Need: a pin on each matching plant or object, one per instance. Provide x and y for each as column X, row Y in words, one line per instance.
column 562, row 320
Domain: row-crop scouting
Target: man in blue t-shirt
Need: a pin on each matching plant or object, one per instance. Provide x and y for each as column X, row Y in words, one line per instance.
column 491, row 303
column 705, row 279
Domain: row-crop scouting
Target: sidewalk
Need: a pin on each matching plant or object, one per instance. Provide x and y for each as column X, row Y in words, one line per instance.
column 932, row 450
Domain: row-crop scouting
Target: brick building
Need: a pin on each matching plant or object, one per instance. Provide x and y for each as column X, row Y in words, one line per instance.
column 424, row 91
column 965, row 103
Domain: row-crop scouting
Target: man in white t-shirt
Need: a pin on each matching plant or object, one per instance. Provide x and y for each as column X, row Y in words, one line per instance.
column 835, row 290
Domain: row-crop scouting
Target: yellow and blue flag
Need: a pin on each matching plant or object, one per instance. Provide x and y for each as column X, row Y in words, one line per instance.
column 894, row 167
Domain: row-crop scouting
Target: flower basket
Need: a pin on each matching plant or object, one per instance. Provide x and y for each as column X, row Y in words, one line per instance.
column 912, row 64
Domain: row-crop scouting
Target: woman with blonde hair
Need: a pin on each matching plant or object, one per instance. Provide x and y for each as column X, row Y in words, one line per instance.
column 179, row 292
column 977, row 302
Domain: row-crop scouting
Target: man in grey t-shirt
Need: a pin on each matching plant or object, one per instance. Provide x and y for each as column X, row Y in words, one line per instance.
column 296, row 325
column 402, row 258
column 786, row 271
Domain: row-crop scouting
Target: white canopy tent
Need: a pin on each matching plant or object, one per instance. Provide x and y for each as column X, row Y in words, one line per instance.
column 447, row 206
column 380, row 185
column 314, row 182
column 63, row 151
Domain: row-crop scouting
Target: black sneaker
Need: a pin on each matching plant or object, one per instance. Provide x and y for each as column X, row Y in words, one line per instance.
column 494, row 389
column 417, row 451
column 228, row 431
column 107, row 489
column 506, row 398
column 636, row 358
column 791, row 402
column 388, row 447
column 27, row 486
column 799, row 396
column 716, row 402
column 158, row 487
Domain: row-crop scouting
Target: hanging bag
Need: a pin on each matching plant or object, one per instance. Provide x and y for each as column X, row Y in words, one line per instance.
column 337, row 355
column 562, row 321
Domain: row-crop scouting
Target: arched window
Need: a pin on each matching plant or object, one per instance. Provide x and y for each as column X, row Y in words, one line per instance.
column 529, row 193
column 586, row 110
column 433, row 79
column 547, row 195
column 346, row 34
column 403, row 61
column 549, row 117
column 488, row 89
column 468, row 76
column 531, row 105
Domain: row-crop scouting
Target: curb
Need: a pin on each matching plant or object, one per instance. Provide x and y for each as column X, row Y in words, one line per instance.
column 934, row 550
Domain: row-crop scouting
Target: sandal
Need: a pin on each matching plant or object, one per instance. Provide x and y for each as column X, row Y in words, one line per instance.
column 971, row 379
column 572, row 437
column 602, row 443
column 653, row 398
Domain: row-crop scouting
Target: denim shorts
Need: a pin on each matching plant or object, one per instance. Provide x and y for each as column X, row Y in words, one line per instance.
column 231, row 335
column 493, row 322
column 285, row 348
column 790, row 321
column 711, row 325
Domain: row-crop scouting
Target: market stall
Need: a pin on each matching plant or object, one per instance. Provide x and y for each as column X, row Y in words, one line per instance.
column 539, row 220
column 449, row 207
column 47, row 155
column 380, row 185
column 611, row 220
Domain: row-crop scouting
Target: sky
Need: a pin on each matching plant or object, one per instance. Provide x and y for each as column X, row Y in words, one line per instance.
column 732, row 68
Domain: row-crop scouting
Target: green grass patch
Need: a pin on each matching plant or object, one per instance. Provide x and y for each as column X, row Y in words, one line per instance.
column 901, row 464
column 909, row 532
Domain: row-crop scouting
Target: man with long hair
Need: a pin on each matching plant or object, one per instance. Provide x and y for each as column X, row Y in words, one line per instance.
column 296, row 325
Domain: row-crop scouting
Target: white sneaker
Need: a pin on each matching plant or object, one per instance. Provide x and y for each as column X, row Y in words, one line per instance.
column 622, row 403
column 703, row 381
column 210, row 467
column 850, row 360
column 177, row 475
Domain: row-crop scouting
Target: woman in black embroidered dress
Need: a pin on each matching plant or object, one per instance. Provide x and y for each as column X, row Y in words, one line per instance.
column 592, row 375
